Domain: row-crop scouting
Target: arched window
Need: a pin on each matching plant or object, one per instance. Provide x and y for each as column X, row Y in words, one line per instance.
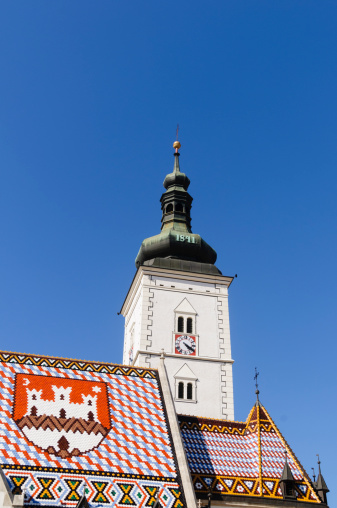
column 89, row 403
column 63, row 413
column 180, row 324
column 189, row 391
column 91, row 416
column 169, row 208
column 185, row 385
column 189, row 325
column 179, row 207
column 33, row 411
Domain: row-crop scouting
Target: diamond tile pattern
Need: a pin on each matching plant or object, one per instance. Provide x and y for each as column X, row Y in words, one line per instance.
column 241, row 458
column 136, row 448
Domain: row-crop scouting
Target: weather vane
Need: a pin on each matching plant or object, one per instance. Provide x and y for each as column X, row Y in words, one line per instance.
column 256, row 383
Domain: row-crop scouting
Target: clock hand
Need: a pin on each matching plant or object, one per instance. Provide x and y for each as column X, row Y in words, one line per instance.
column 189, row 347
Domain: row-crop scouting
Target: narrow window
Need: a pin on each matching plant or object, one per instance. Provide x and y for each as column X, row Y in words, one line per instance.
column 63, row 414
column 89, row 403
column 33, row 411
column 169, row 208
column 189, row 325
column 180, row 324
column 34, row 397
column 180, row 390
column 91, row 416
column 289, row 490
column 189, row 391
column 62, row 397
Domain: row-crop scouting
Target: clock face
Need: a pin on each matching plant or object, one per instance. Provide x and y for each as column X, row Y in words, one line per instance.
column 185, row 345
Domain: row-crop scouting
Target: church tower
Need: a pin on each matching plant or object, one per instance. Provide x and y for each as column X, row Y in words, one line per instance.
column 177, row 306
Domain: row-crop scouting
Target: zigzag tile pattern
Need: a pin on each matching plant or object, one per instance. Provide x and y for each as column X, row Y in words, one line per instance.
column 245, row 459
column 53, row 489
column 134, row 446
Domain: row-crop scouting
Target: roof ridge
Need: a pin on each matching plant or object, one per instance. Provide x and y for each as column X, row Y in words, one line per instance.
column 246, row 422
column 210, row 419
column 75, row 360
column 258, row 409
column 250, row 415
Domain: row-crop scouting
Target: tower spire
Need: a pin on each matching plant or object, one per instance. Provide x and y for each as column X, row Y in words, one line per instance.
column 176, row 146
column 287, row 482
column 176, row 201
column 321, row 486
column 176, row 244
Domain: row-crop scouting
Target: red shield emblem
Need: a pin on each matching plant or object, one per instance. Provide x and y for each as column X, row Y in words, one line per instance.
column 61, row 416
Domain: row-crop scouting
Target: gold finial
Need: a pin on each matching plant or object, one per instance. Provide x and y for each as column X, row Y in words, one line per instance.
column 177, row 144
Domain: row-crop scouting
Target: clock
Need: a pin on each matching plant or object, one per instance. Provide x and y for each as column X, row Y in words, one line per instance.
column 185, row 345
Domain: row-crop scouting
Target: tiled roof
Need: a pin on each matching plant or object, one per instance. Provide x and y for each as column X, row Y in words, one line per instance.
column 69, row 427
column 238, row 458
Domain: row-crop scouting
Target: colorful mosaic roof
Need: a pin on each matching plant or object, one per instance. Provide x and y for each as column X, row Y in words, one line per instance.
column 243, row 459
column 70, row 427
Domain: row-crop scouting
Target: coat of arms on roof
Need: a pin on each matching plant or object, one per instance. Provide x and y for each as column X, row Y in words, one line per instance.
column 64, row 417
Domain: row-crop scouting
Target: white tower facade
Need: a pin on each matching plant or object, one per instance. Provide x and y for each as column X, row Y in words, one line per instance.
column 198, row 363
column 177, row 306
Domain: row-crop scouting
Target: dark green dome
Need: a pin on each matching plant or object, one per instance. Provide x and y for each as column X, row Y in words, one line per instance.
column 176, row 179
column 171, row 243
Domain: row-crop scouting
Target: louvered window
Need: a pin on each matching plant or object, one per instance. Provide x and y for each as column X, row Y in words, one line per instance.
column 189, row 325
column 180, row 324
column 189, row 391
column 186, row 390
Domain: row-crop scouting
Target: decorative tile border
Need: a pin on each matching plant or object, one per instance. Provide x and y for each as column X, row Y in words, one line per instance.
column 64, row 363
column 53, row 489
column 233, row 485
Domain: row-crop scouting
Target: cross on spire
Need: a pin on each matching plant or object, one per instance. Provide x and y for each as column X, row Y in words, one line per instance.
column 313, row 474
column 257, row 391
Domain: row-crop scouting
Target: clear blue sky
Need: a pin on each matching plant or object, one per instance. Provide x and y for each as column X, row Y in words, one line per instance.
column 90, row 95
